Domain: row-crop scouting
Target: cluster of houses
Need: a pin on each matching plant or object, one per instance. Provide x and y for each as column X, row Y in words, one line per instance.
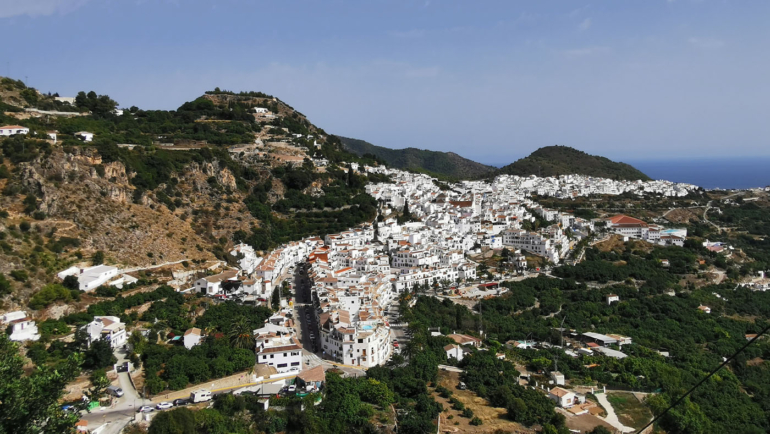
column 256, row 277
column 569, row 186
column 352, row 284
column 12, row 130
column 472, row 214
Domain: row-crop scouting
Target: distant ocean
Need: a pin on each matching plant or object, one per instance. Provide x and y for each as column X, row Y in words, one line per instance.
column 710, row 173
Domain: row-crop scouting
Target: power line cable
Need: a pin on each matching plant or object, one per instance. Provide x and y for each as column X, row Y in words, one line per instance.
column 692, row 389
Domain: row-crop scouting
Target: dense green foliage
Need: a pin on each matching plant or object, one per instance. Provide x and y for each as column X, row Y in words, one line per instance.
column 51, row 293
column 175, row 366
column 696, row 342
column 29, row 403
column 446, row 164
column 345, row 194
column 563, row 160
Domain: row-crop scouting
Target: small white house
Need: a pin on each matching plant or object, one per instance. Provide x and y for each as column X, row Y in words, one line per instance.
column 84, row 136
column 66, row 99
column 557, row 378
column 192, row 337
column 454, row 351
column 23, row 328
column 52, row 135
column 107, row 328
column 563, row 397
column 211, row 285
column 704, row 309
column 12, row 130
column 611, row 298
column 260, row 110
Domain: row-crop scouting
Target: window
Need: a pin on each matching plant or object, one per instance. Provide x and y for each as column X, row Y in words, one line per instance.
column 294, row 363
column 272, row 356
column 281, row 365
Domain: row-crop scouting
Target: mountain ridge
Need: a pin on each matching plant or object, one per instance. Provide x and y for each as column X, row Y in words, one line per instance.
column 448, row 164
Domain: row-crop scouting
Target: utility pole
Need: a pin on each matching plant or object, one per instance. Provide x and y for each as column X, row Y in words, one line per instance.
column 561, row 334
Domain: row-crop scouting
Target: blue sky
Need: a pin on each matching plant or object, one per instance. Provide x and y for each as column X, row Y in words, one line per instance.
column 490, row 80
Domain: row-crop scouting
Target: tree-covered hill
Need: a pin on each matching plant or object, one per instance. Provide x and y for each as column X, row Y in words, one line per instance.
column 563, row 160
column 433, row 162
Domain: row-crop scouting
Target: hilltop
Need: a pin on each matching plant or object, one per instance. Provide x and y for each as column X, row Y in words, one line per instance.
column 158, row 186
column 446, row 164
column 563, row 160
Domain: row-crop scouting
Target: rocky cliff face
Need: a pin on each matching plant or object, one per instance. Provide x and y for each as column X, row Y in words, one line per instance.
column 75, row 195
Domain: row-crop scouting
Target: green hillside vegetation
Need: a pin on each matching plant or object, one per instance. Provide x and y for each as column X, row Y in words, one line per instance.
column 563, row 160
column 214, row 121
column 441, row 164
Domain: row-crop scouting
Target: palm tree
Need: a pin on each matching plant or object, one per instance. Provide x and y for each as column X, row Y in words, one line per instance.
column 241, row 335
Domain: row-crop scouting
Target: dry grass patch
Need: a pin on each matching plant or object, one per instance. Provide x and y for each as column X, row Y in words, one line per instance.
column 493, row 418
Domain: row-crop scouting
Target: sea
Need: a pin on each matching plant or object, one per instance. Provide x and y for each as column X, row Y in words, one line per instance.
column 710, row 173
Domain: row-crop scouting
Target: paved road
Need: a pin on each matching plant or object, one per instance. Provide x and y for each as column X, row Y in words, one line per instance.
column 123, row 408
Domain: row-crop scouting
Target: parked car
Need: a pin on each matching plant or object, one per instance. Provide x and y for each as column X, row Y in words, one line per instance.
column 179, row 402
column 462, row 386
column 146, row 409
column 164, row 406
column 115, row 391
column 292, row 389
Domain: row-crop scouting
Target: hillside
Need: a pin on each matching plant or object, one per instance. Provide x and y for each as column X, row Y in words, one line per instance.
column 438, row 163
column 156, row 186
column 563, row 160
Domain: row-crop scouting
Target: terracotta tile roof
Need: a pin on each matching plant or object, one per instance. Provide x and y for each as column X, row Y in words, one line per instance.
column 193, row 331
column 313, row 375
column 626, row 220
column 558, row 391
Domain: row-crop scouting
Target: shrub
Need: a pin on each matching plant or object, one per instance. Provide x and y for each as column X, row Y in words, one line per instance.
column 49, row 294
column 476, row 421
column 25, row 226
column 5, row 285
column 19, row 275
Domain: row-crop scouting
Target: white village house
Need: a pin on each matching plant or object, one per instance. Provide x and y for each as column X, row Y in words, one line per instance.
column 12, row 130
column 192, row 337
column 211, row 285
column 23, row 328
column 84, row 136
column 107, row 328
column 278, row 347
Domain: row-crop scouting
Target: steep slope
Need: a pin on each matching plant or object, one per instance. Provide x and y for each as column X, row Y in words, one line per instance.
column 563, row 160
column 158, row 186
column 434, row 162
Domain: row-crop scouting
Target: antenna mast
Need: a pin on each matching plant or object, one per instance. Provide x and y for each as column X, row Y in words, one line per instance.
column 561, row 334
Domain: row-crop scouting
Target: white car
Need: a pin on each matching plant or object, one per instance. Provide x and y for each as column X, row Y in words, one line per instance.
column 164, row 406
column 292, row 388
column 145, row 409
